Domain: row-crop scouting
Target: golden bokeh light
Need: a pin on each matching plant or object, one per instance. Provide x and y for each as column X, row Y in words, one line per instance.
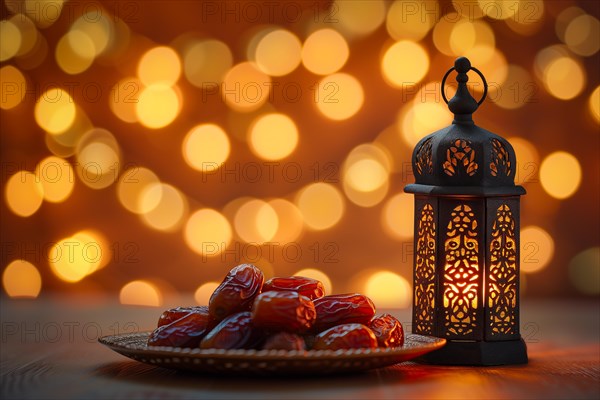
column 205, row 147
column 159, row 66
column 13, row 87
column 207, row 232
column 94, row 248
column 411, row 20
column 581, row 35
column 28, row 31
column 157, row 106
column 466, row 9
column 397, row 71
column 273, row 136
column 206, row 62
column 517, row 90
column 43, row 12
column 164, row 206
column 537, row 249
column 528, row 19
column 546, row 56
column 359, row 18
column 10, row 40
column 366, row 175
column 124, row 97
column 466, row 35
column 321, row 205
column 560, row 174
column 324, row 52
column 492, row 61
column 564, row 18
column 55, row 111
column 245, row 87
column 318, row 275
column 339, row 96
column 73, row 258
column 97, row 27
column 256, row 222
column 584, row 271
column 130, row 187
column 291, row 224
column 388, row 290
column 527, row 160
column 98, row 159
column 499, row 9
column 564, row 78
column 204, row 291
column 21, row 279
column 421, row 119
column 442, row 31
column 57, row 177
column 594, row 104
column 278, row 52
column 397, row 216
column 23, row 193
column 141, row 293
column 75, row 52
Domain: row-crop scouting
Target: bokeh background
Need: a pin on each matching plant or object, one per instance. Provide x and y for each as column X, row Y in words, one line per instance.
column 149, row 146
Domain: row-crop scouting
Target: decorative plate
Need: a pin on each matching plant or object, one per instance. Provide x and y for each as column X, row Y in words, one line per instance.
column 268, row 362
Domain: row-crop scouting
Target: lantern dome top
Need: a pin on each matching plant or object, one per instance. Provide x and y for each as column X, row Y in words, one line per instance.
column 463, row 158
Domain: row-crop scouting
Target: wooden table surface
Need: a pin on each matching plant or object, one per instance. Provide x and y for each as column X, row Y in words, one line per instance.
column 49, row 349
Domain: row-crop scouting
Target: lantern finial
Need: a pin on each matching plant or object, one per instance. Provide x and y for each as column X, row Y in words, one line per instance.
column 463, row 104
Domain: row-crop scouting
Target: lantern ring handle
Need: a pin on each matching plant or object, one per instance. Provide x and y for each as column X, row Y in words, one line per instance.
column 485, row 85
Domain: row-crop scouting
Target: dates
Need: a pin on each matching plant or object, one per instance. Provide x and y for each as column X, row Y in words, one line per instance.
column 342, row 309
column 284, row 341
column 311, row 288
column 184, row 332
column 175, row 313
column 237, row 291
column 388, row 330
column 346, row 336
column 283, row 311
column 235, row 332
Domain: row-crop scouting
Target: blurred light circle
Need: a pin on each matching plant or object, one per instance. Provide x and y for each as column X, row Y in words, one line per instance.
column 529, row 18
column 411, row 20
column 492, row 61
column 23, row 193
column 207, row 232
column 318, row 275
column 14, row 87
column 73, row 258
column 166, row 206
column 560, row 174
column 205, row 147
column 537, row 249
column 366, row 175
column 256, row 222
column 28, row 31
column 564, row 19
column 499, row 9
column 517, row 90
column 324, row 52
column 273, row 136
column 584, row 271
column 245, row 87
column 75, row 52
column 467, row 9
column 10, row 40
column 290, row 224
column 564, row 78
column 422, row 118
column 157, row 106
column 159, row 65
column 527, row 160
column 131, row 186
column 55, row 111
column 467, row 34
column 205, row 63
column 546, row 56
column 204, row 291
column 594, row 104
column 442, row 31
column 21, row 279
column 57, row 178
column 321, row 205
column 98, row 159
column 339, row 96
column 43, row 12
column 388, row 290
column 124, row 97
column 582, row 35
column 97, row 27
column 359, row 17
column 141, row 293
column 94, row 248
column 404, row 63
column 396, row 216
column 278, row 53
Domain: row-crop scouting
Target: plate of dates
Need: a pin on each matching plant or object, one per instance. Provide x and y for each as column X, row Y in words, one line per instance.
column 284, row 326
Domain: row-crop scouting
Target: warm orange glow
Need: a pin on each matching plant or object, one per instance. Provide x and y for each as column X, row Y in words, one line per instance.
column 560, row 174
column 23, row 193
column 517, row 89
column 422, row 118
column 141, row 293
column 75, row 52
column 98, row 157
column 388, row 290
column 256, row 221
column 324, row 52
column 467, row 35
column 321, row 205
column 273, row 136
column 365, row 175
column 537, row 249
column 73, row 258
column 21, row 279
column 33, row 8
column 165, row 207
column 56, row 177
column 132, row 184
column 159, row 66
column 318, row 275
column 204, row 291
column 411, row 20
column 206, row 62
column 245, row 87
column 339, row 96
column 278, row 52
column 13, row 87
column 499, row 9
column 157, row 106
column 581, row 35
column 359, row 18
column 55, row 111
column 527, row 160
column 397, row 216
column 205, row 147
column 399, row 73
column 584, row 271
column 10, row 39
column 594, row 104
column 123, row 98
column 207, row 232
column 290, row 224
column 564, row 78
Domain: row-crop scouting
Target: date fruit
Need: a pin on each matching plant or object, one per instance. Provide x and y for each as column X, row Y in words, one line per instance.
column 346, row 336
column 174, row 314
column 388, row 330
column 187, row 331
column 283, row 311
column 237, row 291
column 311, row 288
column 342, row 309
column 235, row 332
column 284, row 341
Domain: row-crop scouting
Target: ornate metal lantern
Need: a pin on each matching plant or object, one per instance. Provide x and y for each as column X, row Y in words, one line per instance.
column 466, row 263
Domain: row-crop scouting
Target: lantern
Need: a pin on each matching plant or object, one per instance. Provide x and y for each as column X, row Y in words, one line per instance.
column 466, row 252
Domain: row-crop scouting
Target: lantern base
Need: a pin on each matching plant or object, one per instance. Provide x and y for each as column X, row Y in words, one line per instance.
column 478, row 353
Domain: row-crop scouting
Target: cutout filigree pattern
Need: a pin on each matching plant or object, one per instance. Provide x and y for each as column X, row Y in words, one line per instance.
column 500, row 164
column 424, row 162
column 460, row 155
column 424, row 305
column 502, row 279
column 461, row 273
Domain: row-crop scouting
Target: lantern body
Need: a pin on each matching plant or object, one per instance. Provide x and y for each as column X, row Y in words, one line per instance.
column 466, row 250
